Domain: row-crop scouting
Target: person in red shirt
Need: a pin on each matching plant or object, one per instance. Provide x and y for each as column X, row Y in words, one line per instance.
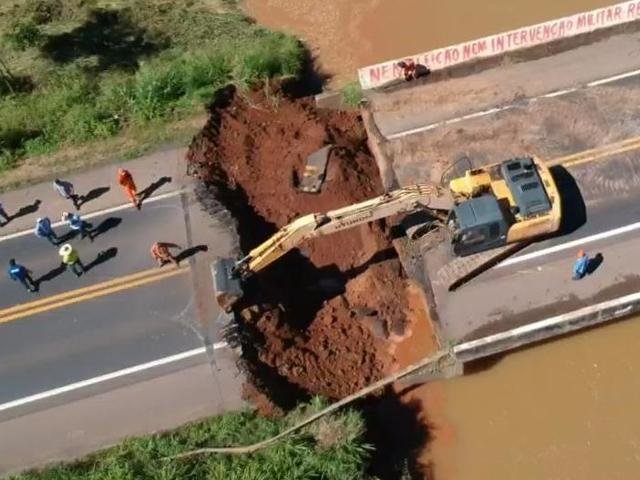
column 126, row 182
column 160, row 253
column 408, row 69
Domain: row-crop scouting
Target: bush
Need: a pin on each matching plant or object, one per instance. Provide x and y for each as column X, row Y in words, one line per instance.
column 44, row 11
column 275, row 55
column 299, row 456
column 75, row 102
column 352, row 94
column 23, row 35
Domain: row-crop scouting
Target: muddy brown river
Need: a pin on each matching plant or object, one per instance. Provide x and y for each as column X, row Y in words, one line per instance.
column 562, row 410
column 347, row 34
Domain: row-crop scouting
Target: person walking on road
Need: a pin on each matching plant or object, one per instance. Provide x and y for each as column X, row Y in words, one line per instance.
column 581, row 266
column 45, row 230
column 4, row 215
column 65, row 190
column 126, row 182
column 19, row 273
column 77, row 224
column 160, row 253
column 71, row 260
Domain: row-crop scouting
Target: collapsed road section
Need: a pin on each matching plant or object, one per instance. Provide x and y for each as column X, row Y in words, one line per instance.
column 320, row 319
column 327, row 316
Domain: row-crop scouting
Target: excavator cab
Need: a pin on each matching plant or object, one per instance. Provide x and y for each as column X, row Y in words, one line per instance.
column 478, row 224
column 502, row 203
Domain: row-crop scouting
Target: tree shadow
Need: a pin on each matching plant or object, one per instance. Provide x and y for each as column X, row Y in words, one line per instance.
column 16, row 84
column 105, row 226
column 148, row 191
column 26, row 210
column 101, row 258
column 189, row 252
column 310, row 81
column 401, row 439
column 110, row 35
column 93, row 194
column 594, row 263
column 50, row 275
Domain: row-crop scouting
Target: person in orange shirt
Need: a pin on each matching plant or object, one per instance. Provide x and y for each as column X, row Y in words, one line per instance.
column 126, row 181
column 160, row 252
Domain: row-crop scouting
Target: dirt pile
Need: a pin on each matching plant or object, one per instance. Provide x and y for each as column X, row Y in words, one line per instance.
column 320, row 316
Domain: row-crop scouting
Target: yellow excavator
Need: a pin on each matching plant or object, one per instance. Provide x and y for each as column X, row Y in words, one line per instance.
column 504, row 203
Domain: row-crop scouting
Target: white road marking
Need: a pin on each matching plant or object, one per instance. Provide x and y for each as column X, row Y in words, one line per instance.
column 631, row 73
column 107, row 377
column 491, row 111
column 98, row 213
column 558, row 93
column 572, row 244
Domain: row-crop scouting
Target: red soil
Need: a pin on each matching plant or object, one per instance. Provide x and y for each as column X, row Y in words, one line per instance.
column 322, row 314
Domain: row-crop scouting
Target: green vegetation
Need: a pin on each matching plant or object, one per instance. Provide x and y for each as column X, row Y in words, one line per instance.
column 331, row 448
column 77, row 72
column 352, row 94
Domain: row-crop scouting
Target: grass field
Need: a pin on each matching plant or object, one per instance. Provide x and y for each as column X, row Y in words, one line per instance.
column 331, row 448
column 88, row 78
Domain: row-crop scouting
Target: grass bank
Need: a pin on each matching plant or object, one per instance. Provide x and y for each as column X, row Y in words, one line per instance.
column 75, row 74
column 332, row 448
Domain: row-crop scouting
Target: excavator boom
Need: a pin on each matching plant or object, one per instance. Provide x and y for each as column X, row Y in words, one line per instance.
column 228, row 274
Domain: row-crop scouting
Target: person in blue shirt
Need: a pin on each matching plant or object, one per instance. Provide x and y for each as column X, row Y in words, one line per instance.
column 581, row 266
column 19, row 273
column 45, row 230
column 76, row 223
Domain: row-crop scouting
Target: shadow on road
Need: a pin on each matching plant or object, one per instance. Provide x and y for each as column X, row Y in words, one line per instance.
column 70, row 235
column 147, row 192
column 574, row 210
column 50, row 275
column 26, row 210
column 93, row 194
column 594, row 263
column 102, row 257
column 106, row 225
column 189, row 252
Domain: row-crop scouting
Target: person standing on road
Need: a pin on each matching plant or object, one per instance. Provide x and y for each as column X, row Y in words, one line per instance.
column 76, row 223
column 581, row 266
column 65, row 190
column 4, row 215
column 19, row 273
column 126, row 182
column 45, row 230
column 71, row 260
column 160, row 252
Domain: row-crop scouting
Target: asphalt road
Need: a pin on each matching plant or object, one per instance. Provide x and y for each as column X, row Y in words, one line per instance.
column 127, row 348
column 97, row 335
column 536, row 283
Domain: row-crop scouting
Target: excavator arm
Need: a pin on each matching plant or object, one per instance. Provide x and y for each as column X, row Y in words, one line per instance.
column 420, row 196
column 228, row 273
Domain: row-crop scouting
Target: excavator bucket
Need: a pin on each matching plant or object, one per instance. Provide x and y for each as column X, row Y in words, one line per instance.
column 227, row 287
column 315, row 170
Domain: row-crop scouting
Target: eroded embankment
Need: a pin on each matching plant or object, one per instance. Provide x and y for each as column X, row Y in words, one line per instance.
column 321, row 317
